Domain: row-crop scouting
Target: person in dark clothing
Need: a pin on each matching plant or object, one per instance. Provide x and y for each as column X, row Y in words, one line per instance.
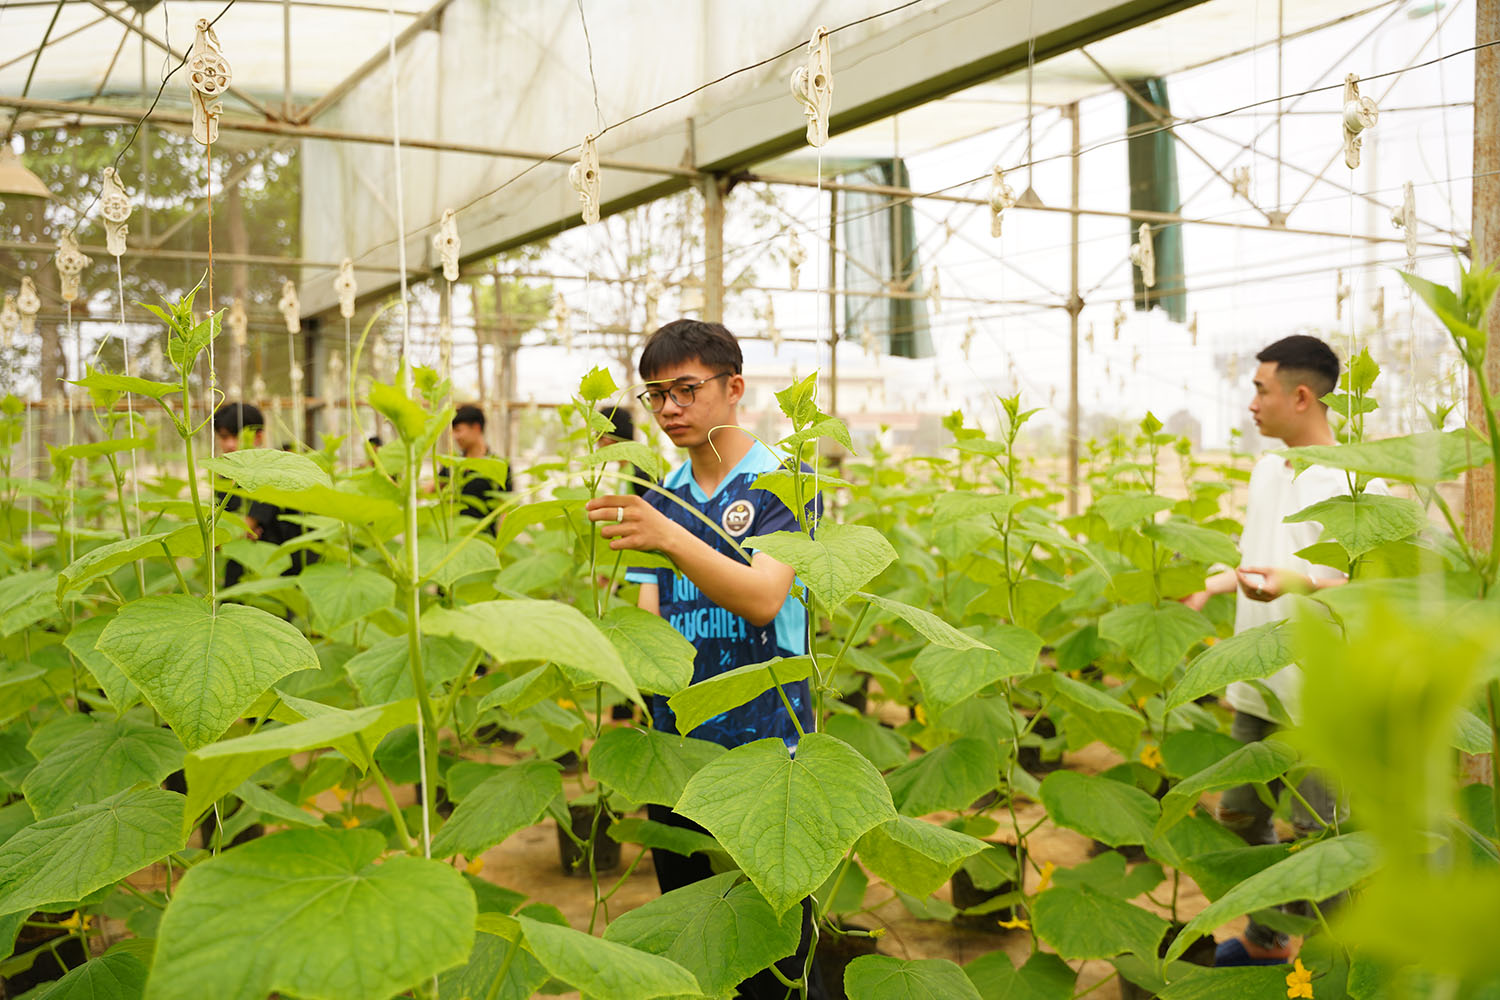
column 477, row 492
column 242, row 425
column 623, row 430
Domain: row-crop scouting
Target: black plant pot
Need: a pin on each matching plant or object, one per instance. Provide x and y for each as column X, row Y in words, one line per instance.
column 1200, row 952
column 606, row 850
column 1030, row 757
column 835, row 952
column 45, row 968
column 966, row 895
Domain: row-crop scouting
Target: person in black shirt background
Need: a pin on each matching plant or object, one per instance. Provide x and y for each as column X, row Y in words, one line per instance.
column 624, row 430
column 240, row 425
column 477, row 491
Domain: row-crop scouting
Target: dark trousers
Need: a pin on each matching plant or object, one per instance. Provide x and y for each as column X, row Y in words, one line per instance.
column 673, row 871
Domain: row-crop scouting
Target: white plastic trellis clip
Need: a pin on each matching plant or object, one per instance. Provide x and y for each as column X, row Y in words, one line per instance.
column 563, row 317
column 1119, row 318
column 1001, row 198
column 238, row 323
column 291, row 308
column 10, row 321
column 772, row 332
column 348, row 289
column 935, row 294
column 1143, row 256
column 795, row 255
column 447, row 244
column 1405, row 219
column 1341, row 295
column 70, row 264
column 1239, row 181
column 114, row 205
column 812, row 86
column 968, row 340
column 654, row 292
column 208, row 79
column 1360, row 113
column 584, row 176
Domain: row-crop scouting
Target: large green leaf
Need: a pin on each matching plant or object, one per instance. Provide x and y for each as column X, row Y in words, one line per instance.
column 1198, row 543
column 951, row 776
column 112, row 382
column 1229, row 983
column 347, row 501
column 311, row 914
column 1099, row 807
column 960, row 505
column 26, row 598
column 217, row 769
column 715, row 695
column 1428, row 457
column 1315, row 872
column 1121, row 510
column 201, row 667
column 835, row 564
column 720, row 931
column 184, row 542
column 1364, row 522
column 913, row 855
column 949, row 675
column 656, row 654
column 82, row 642
column 536, row 631
column 100, row 760
column 1082, row 923
column 504, row 965
column 605, row 970
column 787, row 821
column 383, row 672
column 1108, row 873
column 1260, row 761
column 447, row 562
column 928, row 625
column 883, row 746
column 340, row 595
column 1043, row 977
column 258, row 468
column 1155, row 638
column 118, row 975
column 499, row 806
column 648, row 766
column 1251, row 655
column 62, row 859
column 1116, row 724
column 882, row 977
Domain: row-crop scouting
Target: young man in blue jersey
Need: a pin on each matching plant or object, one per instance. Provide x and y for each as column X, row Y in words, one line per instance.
column 734, row 612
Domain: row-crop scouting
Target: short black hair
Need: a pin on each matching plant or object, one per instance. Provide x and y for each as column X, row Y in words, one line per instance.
column 233, row 418
column 1304, row 360
column 623, row 423
column 468, row 414
column 684, row 340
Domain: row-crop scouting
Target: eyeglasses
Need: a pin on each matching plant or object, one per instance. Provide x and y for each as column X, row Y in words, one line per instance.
column 681, row 393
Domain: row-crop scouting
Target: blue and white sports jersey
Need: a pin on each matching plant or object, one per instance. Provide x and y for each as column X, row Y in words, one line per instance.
column 724, row 640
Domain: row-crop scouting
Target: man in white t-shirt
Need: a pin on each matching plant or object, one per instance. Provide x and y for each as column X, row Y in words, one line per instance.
column 1294, row 375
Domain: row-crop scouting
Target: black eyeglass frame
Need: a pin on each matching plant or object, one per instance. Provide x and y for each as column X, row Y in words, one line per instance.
column 690, row 388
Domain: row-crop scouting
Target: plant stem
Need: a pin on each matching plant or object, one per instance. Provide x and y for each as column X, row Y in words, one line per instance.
column 385, row 792
column 192, row 471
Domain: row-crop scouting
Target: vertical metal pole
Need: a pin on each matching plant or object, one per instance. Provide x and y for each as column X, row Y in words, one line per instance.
column 713, row 250
column 833, row 303
column 1075, row 307
column 286, row 59
column 1479, row 484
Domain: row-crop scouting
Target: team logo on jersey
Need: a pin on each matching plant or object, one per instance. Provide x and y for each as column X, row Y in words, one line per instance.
column 738, row 517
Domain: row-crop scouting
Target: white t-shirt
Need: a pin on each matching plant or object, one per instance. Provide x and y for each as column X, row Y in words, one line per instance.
column 1269, row 541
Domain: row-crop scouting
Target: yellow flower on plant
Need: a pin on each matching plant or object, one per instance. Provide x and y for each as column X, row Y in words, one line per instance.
column 920, row 713
column 1151, row 755
column 1017, row 923
column 1211, row 640
column 340, row 792
column 1046, row 880
column 475, row 866
column 350, row 822
column 1141, row 701
column 565, row 703
column 1299, row 983
column 77, row 922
